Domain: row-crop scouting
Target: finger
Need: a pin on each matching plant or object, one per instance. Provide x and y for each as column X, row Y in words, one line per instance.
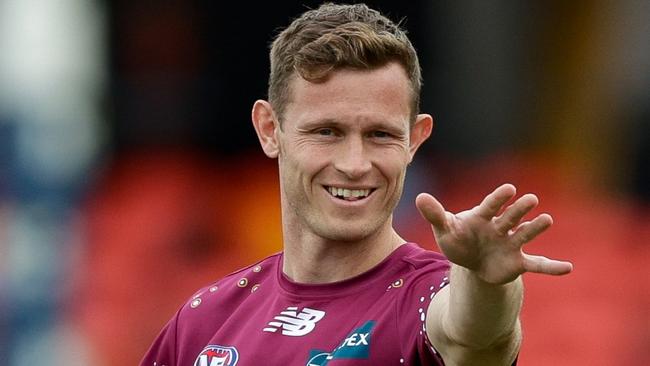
column 529, row 230
column 515, row 212
column 432, row 210
column 540, row 264
column 494, row 201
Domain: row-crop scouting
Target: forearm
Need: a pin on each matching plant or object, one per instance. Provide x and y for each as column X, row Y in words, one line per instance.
column 479, row 314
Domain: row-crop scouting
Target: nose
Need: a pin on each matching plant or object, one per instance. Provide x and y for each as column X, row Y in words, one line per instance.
column 352, row 158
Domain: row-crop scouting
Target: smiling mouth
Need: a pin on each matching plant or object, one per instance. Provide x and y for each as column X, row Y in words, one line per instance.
column 349, row 194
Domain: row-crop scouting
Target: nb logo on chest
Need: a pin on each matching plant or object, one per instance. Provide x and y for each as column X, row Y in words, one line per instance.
column 295, row 323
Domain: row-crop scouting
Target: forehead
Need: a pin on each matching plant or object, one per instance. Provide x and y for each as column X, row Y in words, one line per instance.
column 378, row 94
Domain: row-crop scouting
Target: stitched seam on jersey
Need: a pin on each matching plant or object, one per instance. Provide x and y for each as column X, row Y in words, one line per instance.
column 232, row 274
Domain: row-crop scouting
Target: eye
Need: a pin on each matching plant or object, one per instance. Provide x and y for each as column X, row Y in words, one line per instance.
column 325, row 132
column 380, row 134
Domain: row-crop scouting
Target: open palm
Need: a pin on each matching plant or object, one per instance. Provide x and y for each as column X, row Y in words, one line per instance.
column 488, row 239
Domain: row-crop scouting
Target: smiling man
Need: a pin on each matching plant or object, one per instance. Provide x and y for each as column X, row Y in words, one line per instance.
column 343, row 122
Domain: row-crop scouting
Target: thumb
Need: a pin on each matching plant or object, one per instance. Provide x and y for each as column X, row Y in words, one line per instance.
column 432, row 211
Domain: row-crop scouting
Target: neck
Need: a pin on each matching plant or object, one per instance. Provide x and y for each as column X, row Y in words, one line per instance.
column 312, row 259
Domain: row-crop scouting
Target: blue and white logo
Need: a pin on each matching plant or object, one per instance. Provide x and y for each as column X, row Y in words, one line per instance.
column 318, row 358
column 355, row 346
column 215, row 355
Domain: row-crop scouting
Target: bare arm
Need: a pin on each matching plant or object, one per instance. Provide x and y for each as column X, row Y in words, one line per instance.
column 475, row 320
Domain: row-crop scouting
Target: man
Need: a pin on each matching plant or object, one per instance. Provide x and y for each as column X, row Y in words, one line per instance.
column 342, row 120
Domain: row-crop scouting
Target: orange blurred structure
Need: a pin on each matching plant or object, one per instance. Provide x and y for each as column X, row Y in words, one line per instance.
column 160, row 225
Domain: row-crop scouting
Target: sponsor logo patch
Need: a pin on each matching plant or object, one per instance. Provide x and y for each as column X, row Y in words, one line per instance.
column 355, row 346
column 215, row 355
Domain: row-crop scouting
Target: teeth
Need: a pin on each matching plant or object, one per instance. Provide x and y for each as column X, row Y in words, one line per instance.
column 347, row 193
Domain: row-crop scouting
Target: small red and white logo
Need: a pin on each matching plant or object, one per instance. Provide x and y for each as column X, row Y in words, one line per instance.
column 215, row 355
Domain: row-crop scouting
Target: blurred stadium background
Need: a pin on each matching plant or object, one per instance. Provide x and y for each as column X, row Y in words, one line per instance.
column 130, row 174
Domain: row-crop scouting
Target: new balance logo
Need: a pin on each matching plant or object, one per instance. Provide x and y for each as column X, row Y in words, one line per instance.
column 294, row 323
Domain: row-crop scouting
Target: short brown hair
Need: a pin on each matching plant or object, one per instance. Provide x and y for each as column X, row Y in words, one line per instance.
column 335, row 36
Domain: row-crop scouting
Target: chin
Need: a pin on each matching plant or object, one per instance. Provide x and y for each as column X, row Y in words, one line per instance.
column 347, row 237
column 349, row 233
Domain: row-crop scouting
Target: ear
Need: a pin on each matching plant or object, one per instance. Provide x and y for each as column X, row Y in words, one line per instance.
column 420, row 131
column 266, row 125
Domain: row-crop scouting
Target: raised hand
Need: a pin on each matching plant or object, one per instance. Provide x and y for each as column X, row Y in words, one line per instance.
column 488, row 239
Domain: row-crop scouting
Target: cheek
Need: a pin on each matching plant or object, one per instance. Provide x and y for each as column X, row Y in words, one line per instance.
column 393, row 165
column 300, row 169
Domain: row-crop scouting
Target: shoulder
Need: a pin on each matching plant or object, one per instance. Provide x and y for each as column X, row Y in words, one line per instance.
column 420, row 261
column 423, row 274
column 232, row 288
column 208, row 309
